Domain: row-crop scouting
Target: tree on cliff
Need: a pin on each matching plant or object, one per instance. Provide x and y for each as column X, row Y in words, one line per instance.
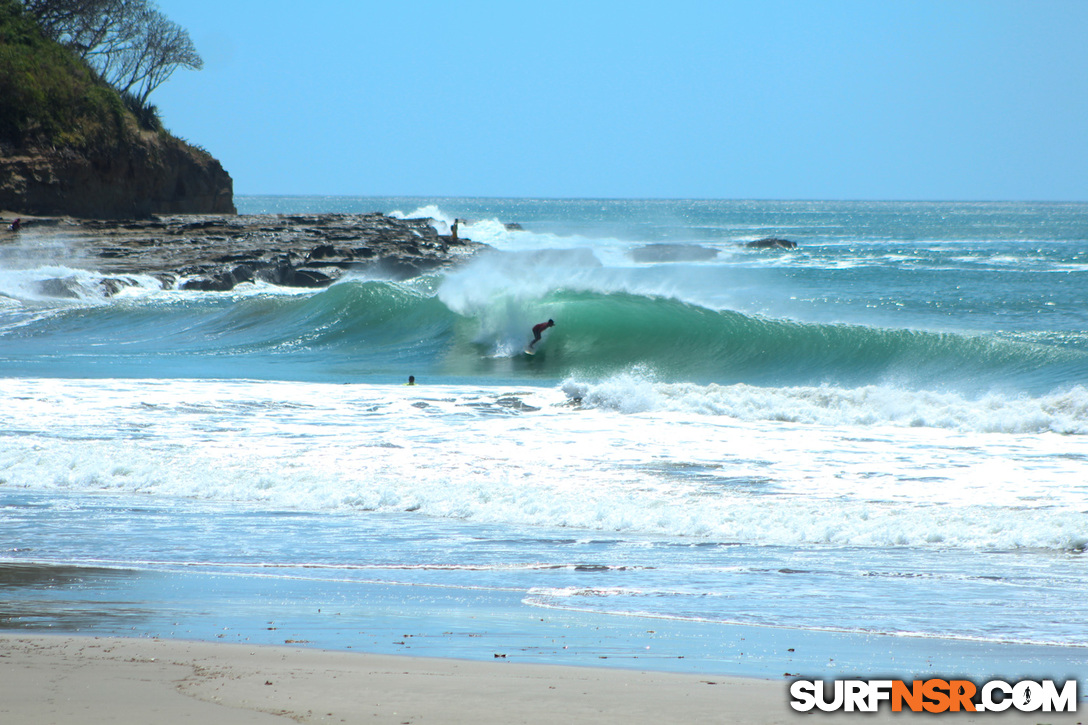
column 130, row 43
column 70, row 145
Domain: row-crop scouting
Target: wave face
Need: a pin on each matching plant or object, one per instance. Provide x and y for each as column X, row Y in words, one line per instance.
column 970, row 298
column 600, row 334
column 349, row 329
column 372, row 327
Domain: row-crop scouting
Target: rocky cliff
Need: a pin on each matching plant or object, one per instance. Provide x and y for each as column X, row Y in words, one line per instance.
column 69, row 145
column 149, row 174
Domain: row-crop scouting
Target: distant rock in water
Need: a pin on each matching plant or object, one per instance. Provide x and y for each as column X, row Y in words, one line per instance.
column 772, row 243
column 673, row 253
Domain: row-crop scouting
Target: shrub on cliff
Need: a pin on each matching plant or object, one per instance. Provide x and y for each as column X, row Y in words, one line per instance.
column 147, row 114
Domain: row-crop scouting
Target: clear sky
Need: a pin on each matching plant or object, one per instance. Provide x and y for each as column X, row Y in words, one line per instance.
column 767, row 99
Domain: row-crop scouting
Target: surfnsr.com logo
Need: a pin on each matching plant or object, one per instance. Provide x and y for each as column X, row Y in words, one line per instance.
column 933, row 695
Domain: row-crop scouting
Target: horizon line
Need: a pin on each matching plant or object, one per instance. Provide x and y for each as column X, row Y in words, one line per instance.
column 667, row 198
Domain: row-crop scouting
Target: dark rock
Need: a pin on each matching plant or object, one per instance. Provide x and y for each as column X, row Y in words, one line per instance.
column 204, row 224
column 112, row 285
column 310, row 278
column 322, row 251
column 219, row 283
column 279, row 273
column 243, row 273
column 285, row 274
column 402, row 267
column 772, row 243
column 218, row 252
column 60, row 288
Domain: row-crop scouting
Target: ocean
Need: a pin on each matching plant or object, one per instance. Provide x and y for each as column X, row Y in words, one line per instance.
column 868, row 454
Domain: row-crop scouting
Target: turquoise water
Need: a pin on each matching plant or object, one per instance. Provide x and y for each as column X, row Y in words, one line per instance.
column 976, row 296
column 881, row 436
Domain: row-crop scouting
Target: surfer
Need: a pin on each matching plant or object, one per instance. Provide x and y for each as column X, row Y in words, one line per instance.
column 411, row 380
column 538, row 330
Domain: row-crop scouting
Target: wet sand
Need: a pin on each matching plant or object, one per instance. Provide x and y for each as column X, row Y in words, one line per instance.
column 87, row 680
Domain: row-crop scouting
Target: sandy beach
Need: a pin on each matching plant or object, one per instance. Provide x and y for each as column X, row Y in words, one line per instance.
column 62, row 679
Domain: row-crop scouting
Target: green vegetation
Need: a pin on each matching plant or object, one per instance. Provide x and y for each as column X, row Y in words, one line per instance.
column 77, row 135
column 50, row 97
column 76, row 74
column 147, row 115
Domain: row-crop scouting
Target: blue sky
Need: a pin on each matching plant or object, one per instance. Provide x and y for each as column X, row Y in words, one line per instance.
column 874, row 99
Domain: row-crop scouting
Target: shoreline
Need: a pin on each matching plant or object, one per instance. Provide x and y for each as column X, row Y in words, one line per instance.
column 440, row 619
column 61, row 678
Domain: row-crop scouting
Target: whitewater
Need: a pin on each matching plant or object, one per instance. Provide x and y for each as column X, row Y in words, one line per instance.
column 881, row 435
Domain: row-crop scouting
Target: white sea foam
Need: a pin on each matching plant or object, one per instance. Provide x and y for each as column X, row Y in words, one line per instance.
column 61, row 284
column 613, row 251
column 492, row 232
column 483, row 456
column 430, row 211
column 528, row 277
column 1064, row 412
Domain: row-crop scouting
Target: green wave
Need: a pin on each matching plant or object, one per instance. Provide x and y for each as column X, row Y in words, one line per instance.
column 600, row 333
column 356, row 328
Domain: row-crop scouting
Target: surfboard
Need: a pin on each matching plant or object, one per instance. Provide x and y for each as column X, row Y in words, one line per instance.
column 530, row 352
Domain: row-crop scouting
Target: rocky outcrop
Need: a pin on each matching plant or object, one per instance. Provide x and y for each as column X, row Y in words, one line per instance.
column 218, row 252
column 153, row 173
column 772, row 243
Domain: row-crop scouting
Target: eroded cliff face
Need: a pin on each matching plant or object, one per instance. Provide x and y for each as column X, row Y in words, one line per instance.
column 149, row 173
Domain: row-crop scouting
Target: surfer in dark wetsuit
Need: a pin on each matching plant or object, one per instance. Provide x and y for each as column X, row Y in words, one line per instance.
column 538, row 329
